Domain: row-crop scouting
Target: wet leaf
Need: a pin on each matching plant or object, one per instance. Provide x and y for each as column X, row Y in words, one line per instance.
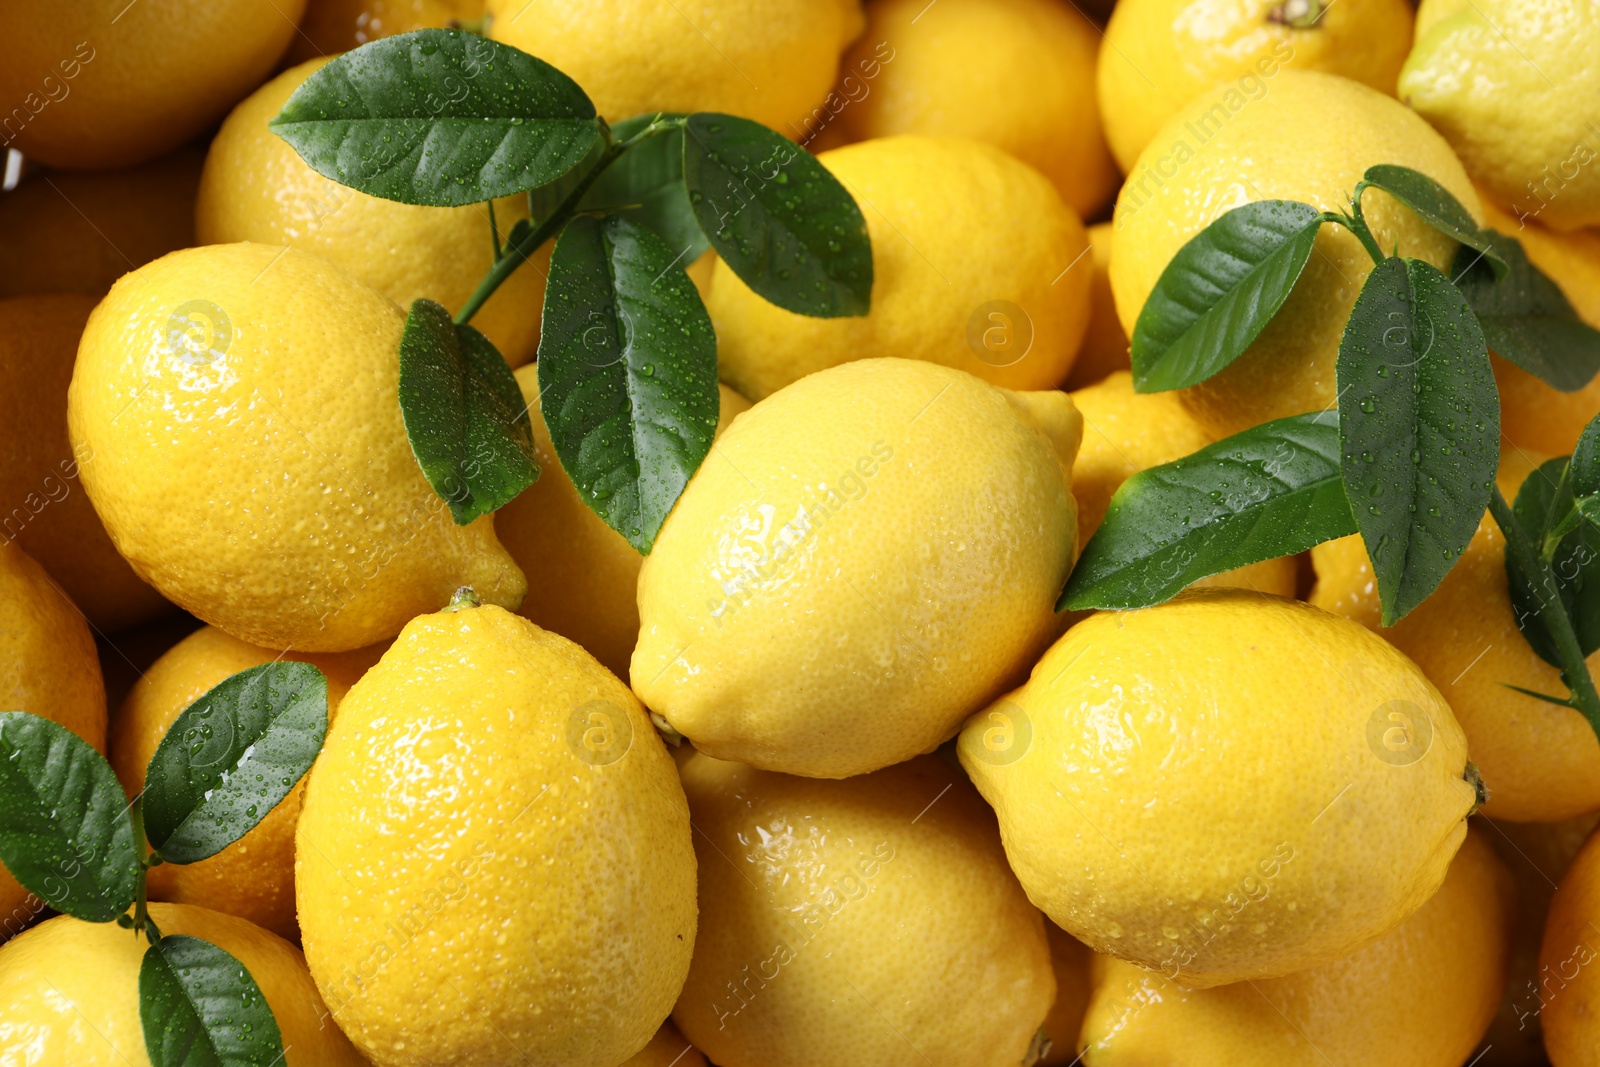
column 1438, row 207
column 199, row 1007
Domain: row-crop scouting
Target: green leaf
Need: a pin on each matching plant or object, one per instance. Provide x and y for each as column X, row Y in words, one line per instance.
column 65, row 830
column 199, row 1007
column 1220, row 291
column 645, row 183
column 1436, row 206
column 439, row 117
column 775, row 215
column 1542, row 506
column 1270, row 491
column 1527, row 319
column 627, row 372
column 1420, row 420
column 231, row 757
column 464, row 414
column 1586, row 461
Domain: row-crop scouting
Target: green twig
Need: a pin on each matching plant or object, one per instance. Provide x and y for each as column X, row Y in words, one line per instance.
column 142, row 923
column 1356, row 223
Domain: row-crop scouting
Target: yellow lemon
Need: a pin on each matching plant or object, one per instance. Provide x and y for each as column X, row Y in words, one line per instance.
column 871, row 921
column 48, row 513
column 49, row 668
column 69, row 991
column 971, row 253
column 583, row 576
column 1018, row 74
column 1541, row 762
column 1309, row 139
column 771, row 61
column 1567, row 994
column 333, row 26
column 241, row 403
column 1421, row 995
column 864, row 558
column 494, row 823
column 1069, row 958
column 1209, row 788
column 1511, row 85
column 1125, row 432
column 1105, row 342
column 254, row 877
column 668, row 1049
column 256, row 188
column 1161, row 54
column 74, row 232
column 105, row 83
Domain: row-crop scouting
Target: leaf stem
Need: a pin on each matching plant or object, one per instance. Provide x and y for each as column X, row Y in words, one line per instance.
column 1356, row 223
column 1574, row 671
column 142, row 923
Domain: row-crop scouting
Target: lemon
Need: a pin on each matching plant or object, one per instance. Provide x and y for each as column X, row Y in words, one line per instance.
column 49, row 513
column 494, row 821
column 771, row 62
column 105, row 83
column 1421, row 995
column 1105, row 343
column 241, row 403
column 583, row 576
column 1566, row 995
column 333, row 26
column 256, row 188
column 667, row 1049
column 1511, row 86
column 1309, row 139
column 867, row 922
column 1161, row 54
column 69, row 991
column 1125, row 432
column 49, row 668
column 77, row 232
column 1215, row 788
column 1018, row 74
column 254, row 877
column 1532, row 414
column 1069, row 959
column 862, row 559
column 971, row 253
column 1541, row 761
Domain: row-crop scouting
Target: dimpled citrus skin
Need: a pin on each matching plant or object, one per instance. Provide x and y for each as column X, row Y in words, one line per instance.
column 1161, row 54
column 257, row 188
column 865, row 923
column 862, row 559
column 583, row 576
column 1568, row 1000
column 1161, row 766
column 1018, row 74
column 767, row 60
column 252, row 878
column 109, row 84
column 1125, row 432
column 48, row 667
column 668, row 1049
column 47, row 511
column 265, row 483
column 1310, row 138
column 1069, row 959
column 334, row 26
column 1511, row 85
column 69, row 991
column 471, row 831
column 78, row 232
column 955, row 225
column 1105, row 343
column 1446, row 965
column 1541, row 762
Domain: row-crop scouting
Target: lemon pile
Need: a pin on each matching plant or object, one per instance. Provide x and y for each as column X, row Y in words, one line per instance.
column 824, row 779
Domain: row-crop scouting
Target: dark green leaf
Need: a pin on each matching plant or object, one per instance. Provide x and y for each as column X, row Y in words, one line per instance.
column 439, row 117
column 1437, row 206
column 645, row 183
column 231, row 756
column 1527, row 319
column 627, row 372
column 776, row 216
column 1220, row 291
column 464, row 414
column 199, row 1007
column 1544, row 505
column 1420, row 420
column 1270, row 491
column 1586, row 461
column 65, row 830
